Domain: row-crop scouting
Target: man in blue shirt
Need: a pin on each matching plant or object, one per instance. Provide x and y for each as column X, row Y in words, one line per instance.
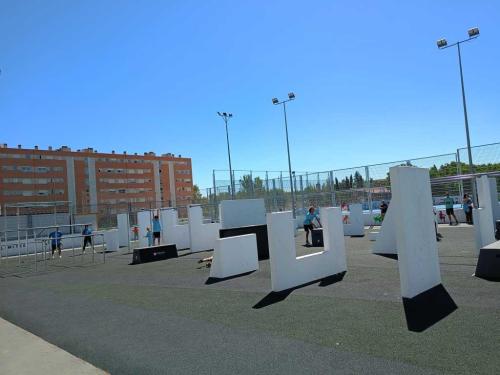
column 156, row 230
column 56, row 241
column 87, row 239
column 308, row 223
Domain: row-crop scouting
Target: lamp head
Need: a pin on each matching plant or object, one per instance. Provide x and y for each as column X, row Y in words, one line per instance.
column 441, row 43
column 291, row 95
column 220, row 114
column 230, row 115
column 474, row 32
column 275, row 101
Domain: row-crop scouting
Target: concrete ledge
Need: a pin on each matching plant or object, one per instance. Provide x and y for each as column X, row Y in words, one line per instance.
column 24, row 353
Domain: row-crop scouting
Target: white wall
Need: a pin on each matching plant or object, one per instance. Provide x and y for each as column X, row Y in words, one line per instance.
column 144, row 220
column 412, row 207
column 234, row 256
column 172, row 232
column 288, row 270
column 485, row 215
column 386, row 238
column 124, row 230
column 242, row 212
column 201, row 236
column 356, row 221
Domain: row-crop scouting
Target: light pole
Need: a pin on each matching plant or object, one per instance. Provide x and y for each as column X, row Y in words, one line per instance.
column 443, row 44
column 291, row 96
column 226, row 116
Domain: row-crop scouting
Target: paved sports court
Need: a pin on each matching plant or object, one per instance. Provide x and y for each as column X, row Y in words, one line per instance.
column 163, row 317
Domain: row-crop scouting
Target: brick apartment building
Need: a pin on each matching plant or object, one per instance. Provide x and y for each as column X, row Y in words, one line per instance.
column 90, row 179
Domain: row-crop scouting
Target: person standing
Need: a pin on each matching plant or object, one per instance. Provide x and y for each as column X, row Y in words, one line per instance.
column 308, row 223
column 448, row 203
column 135, row 231
column 468, row 205
column 383, row 209
column 87, row 239
column 56, row 242
column 156, row 230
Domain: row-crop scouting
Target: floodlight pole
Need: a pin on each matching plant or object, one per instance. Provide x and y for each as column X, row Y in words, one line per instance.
column 292, row 190
column 466, row 119
column 226, row 117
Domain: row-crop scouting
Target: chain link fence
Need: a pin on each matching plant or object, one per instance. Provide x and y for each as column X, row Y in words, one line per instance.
column 368, row 185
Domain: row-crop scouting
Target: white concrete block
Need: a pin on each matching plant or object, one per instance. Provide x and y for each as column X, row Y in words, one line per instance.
column 172, row 232
column 201, row 236
column 485, row 215
column 372, row 236
column 111, row 239
column 411, row 203
column 386, row 239
column 356, row 221
column 124, row 230
column 288, row 270
column 144, row 220
column 234, row 256
column 242, row 212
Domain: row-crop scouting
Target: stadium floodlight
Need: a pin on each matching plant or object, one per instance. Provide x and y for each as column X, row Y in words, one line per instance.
column 226, row 116
column 473, row 32
column 291, row 96
column 442, row 43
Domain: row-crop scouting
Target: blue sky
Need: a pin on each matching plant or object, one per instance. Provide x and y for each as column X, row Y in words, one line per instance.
column 371, row 84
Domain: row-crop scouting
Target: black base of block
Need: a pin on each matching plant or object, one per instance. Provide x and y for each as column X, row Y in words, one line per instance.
column 154, row 253
column 259, row 230
column 428, row 308
column 488, row 263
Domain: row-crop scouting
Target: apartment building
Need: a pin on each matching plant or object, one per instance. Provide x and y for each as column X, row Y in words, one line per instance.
column 90, row 179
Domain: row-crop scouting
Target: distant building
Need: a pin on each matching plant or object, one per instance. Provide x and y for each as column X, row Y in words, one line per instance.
column 90, row 179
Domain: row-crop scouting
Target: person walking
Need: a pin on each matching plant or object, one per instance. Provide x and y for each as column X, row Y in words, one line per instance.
column 383, row 209
column 156, row 230
column 448, row 203
column 308, row 223
column 468, row 205
column 56, row 242
column 87, row 239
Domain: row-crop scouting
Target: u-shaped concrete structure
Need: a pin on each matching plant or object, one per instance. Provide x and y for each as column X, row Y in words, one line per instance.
column 288, row 270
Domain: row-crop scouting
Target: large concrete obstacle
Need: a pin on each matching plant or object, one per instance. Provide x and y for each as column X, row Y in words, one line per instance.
column 201, row 236
column 487, row 213
column 385, row 239
column 355, row 226
column 425, row 299
column 234, row 256
column 242, row 212
column 245, row 216
column 172, row 231
column 288, row 270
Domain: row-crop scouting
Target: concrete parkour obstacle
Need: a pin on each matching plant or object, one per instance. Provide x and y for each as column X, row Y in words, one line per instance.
column 408, row 231
column 288, row 270
column 485, row 217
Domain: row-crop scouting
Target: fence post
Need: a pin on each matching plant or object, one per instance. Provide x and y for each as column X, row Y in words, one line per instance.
column 252, row 194
column 332, row 189
column 459, row 172
column 275, row 203
column 301, row 185
column 215, row 187
column 368, row 186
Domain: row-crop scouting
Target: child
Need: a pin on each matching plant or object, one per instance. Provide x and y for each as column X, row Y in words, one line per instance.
column 442, row 217
column 345, row 218
column 135, row 231
column 308, row 223
column 149, row 236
